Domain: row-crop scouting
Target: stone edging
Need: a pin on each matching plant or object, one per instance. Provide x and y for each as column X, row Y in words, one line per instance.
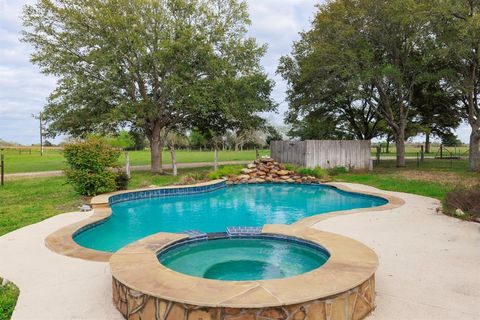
column 61, row 241
column 344, row 283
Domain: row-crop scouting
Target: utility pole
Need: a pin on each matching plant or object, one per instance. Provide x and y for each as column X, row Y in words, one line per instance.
column 40, row 118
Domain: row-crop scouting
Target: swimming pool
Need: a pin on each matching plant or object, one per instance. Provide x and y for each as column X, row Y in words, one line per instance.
column 244, row 258
column 238, row 205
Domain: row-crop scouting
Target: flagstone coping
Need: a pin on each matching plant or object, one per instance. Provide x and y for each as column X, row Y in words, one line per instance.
column 350, row 265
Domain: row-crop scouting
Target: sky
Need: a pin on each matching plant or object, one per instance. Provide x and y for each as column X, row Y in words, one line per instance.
column 24, row 90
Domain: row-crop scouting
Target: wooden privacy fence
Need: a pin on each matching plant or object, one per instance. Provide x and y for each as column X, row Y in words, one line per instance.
column 353, row 154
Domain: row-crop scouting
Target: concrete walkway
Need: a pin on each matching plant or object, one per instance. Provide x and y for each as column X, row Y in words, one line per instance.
column 429, row 263
column 56, row 173
column 429, row 266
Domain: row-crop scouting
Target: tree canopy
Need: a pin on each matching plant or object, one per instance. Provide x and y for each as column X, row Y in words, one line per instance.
column 392, row 67
column 155, row 66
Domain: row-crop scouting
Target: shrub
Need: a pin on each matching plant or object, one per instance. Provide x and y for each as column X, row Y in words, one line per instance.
column 225, row 171
column 89, row 167
column 8, row 300
column 316, row 172
column 192, row 178
column 121, row 181
column 465, row 199
column 291, row 167
column 337, row 170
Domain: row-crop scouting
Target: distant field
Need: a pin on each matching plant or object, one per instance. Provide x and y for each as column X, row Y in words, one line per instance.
column 29, row 160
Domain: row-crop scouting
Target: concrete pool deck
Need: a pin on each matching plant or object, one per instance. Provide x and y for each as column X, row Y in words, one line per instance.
column 428, row 265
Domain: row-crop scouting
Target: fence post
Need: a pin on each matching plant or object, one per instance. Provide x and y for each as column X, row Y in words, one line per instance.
column 2, row 168
column 127, row 164
column 422, row 154
column 441, row 151
column 379, row 151
column 257, row 155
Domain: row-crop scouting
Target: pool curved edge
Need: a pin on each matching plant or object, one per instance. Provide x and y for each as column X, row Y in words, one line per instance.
column 62, row 242
column 343, row 288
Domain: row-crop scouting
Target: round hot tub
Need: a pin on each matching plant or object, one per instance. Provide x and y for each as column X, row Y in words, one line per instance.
column 244, row 258
column 285, row 272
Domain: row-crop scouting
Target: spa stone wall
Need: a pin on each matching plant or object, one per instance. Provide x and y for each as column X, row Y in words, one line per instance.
column 351, row 305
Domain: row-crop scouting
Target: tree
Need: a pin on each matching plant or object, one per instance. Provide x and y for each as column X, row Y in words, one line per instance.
column 317, row 126
column 436, row 109
column 139, row 139
column 121, row 140
column 137, row 63
column 365, row 53
column 272, row 134
column 457, row 32
column 321, row 92
column 197, row 139
column 233, row 102
column 451, row 140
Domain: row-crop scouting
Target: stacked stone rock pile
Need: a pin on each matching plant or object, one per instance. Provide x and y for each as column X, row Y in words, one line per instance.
column 268, row 170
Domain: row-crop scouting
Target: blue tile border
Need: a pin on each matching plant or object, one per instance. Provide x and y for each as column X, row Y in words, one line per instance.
column 164, row 192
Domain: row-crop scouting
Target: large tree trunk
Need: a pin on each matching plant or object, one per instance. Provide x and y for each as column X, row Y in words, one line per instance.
column 215, row 158
column 400, row 146
column 156, row 146
column 427, row 142
column 474, row 152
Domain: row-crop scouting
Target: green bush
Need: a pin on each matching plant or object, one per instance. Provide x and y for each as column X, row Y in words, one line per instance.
column 316, row 172
column 337, row 170
column 121, row 181
column 192, row 178
column 89, row 167
column 225, row 171
column 8, row 300
column 465, row 199
column 291, row 167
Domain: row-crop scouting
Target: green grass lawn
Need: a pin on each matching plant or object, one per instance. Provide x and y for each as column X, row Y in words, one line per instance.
column 432, row 178
column 392, row 183
column 53, row 159
column 8, row 298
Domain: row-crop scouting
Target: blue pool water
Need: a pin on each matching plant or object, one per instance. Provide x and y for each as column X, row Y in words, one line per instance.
column 239, row 205
column 244, row 259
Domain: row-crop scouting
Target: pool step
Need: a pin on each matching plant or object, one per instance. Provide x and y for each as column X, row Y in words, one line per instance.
column 195, row 234
column 243, row 231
